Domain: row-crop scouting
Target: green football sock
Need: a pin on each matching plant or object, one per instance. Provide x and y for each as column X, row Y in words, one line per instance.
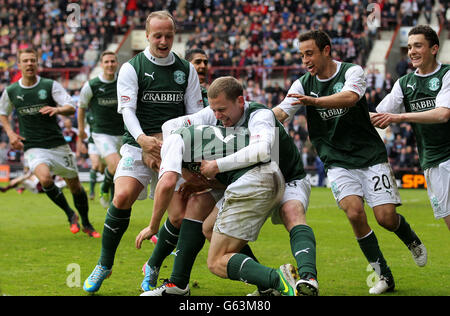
column 303, row 247
column 116, row 223
column 190, row 243
column 107, row 181
column 167, row 242
column 92, row 181
column 246, row 250
column 81, row 203
column 370, row 248
column 405, row 232
column 243, row 268
column 57, row 196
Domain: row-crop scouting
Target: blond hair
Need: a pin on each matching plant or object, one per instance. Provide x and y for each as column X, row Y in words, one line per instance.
column 160, row 15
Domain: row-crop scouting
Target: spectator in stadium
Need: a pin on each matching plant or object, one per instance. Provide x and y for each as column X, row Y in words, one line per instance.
column 46, row 150
column 99, row 95
column 154, row 74
column 339, row 124
column 422, row 98
column 70, row 134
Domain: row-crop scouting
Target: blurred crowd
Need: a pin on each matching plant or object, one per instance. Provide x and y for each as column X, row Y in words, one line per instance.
column 255, row 37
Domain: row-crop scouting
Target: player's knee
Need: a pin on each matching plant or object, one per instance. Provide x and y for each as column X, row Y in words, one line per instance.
column 355, row 214
column 292, row 214
column 388, row 221
column 211, row 263
column 122, row 200
column 176, row 219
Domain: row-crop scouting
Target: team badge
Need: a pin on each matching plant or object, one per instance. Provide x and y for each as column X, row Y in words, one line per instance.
column 434, row 84
column 337, row 87
column 42, row 94
column 179, row 77
column 127, row 162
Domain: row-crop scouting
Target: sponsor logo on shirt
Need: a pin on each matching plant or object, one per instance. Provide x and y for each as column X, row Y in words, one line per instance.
column 328, row 114
column 30, row 110
column 422, row 104
column 162, row 96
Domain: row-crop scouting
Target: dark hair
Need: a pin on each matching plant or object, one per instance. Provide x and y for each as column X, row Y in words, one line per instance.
column 320, row 38
column 429, row 34
column 191, row 52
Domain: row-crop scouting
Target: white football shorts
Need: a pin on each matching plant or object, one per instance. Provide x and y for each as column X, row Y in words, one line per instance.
column 107, row 144
column 131, row 165
column 249, row 201
column 438, row 186
column 61, row 160
column 375, row 184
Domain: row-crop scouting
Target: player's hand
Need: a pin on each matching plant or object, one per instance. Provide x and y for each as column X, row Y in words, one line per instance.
column 187, row 189
column 16, row 141
column 151, row 151
column 145, row 234
column 302, row 99
column 383, row 120
column 209, row 168
column 49, row 110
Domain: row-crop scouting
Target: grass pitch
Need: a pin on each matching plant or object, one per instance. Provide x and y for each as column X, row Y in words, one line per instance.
column 39, row 255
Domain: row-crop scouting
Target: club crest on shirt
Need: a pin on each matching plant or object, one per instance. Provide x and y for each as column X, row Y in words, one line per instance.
column 337, row 87
column 434, row 84
column 179, row 77
column 42, row 94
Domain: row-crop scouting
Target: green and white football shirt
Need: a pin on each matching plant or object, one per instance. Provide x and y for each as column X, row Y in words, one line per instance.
column 40, row 131
column 204, row 142
column 417, row 93
column 343, row 137
column 100, row 97
column 156, row 90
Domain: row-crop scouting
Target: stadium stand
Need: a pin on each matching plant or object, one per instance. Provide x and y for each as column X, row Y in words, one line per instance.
column 253, row 40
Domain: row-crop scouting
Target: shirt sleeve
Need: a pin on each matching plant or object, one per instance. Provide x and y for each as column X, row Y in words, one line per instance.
column 61, row 96
column 6, row 105
column 355, row 81
column 203, row 117
column 393, row 102
column 443, row 97
column 127, row 88
column 85, row 96
column 193, row 96
column 131, row 122
column 172, row 152
column 285, row 105
column 261, row 127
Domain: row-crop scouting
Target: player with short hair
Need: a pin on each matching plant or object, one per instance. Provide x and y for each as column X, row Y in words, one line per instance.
column 231, row 110
column 200, row 204
column 423, row 99
column 99, row 95
column 350, row 148
column 259, row 189
column 37, row 102
column 152, row 87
